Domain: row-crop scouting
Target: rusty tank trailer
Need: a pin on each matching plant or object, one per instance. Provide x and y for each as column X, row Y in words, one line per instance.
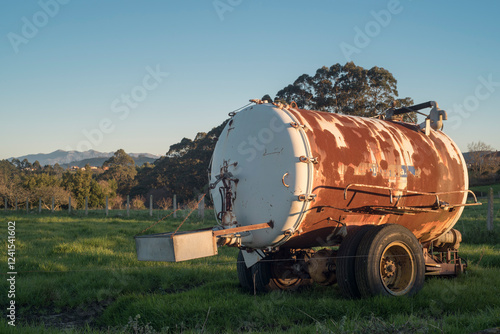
column 309, row 196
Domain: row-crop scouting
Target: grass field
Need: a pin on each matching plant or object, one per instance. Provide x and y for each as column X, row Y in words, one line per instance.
column 79, row 273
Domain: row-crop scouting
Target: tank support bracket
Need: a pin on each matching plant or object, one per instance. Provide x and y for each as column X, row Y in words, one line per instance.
column 296, row 125
column 313, row 160
column 307, row 197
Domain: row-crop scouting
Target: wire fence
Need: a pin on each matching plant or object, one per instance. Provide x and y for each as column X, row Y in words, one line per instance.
column 134, row 205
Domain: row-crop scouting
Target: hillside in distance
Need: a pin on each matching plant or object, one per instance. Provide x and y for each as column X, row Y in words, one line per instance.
column 76, row 158
column 139, row 161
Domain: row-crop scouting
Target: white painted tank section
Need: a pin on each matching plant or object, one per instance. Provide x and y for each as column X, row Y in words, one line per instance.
column 266, row 147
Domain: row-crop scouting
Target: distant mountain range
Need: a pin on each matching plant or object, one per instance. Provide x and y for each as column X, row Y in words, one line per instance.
column 80, row 159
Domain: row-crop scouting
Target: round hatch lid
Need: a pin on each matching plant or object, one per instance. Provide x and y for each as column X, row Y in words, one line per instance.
column 262, row 151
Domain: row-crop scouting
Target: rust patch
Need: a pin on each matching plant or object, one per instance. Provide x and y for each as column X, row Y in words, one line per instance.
column 357, row 150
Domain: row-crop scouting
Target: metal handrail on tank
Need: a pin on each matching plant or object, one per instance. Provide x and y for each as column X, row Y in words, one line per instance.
column 413, row 192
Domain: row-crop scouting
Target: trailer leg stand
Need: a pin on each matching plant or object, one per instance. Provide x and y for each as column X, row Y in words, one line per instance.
column 444, row 263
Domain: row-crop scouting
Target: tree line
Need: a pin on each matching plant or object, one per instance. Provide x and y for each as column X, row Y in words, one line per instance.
column 345, row 89
column 181, row 172
column 483, row 163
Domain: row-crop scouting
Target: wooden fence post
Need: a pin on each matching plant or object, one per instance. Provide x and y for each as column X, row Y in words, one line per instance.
column 107, row 199
column 489, row 218
column 201, row 207
column 128, row 205
column 86, row 205
column 53, row 202
column 151, row 205
column 175, row 206
column 40, row 205
column 69, row 204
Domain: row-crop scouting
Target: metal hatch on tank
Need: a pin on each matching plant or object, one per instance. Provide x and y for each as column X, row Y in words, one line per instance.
column 379, row 195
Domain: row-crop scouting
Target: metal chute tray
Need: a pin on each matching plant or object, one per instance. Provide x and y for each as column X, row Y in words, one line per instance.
column 176, row 247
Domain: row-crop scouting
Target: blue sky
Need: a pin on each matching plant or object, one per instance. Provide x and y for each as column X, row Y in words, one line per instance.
column 143, row 75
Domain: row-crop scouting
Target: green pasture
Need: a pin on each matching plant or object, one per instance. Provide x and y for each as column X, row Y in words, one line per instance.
column 79, row 274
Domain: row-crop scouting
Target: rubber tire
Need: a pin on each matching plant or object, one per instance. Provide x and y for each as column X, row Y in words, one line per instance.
column 244, row 273
column 267, row 279
column 345, row 262
column 369, row 256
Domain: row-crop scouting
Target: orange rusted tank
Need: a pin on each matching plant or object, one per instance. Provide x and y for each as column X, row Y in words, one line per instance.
column 372, row 171
column 313, row 172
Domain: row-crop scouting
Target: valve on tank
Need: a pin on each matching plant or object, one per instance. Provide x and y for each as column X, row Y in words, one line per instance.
column 434, row 120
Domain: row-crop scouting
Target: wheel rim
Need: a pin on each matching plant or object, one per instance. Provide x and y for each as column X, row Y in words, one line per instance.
column 397, row 269
column 283, row 273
